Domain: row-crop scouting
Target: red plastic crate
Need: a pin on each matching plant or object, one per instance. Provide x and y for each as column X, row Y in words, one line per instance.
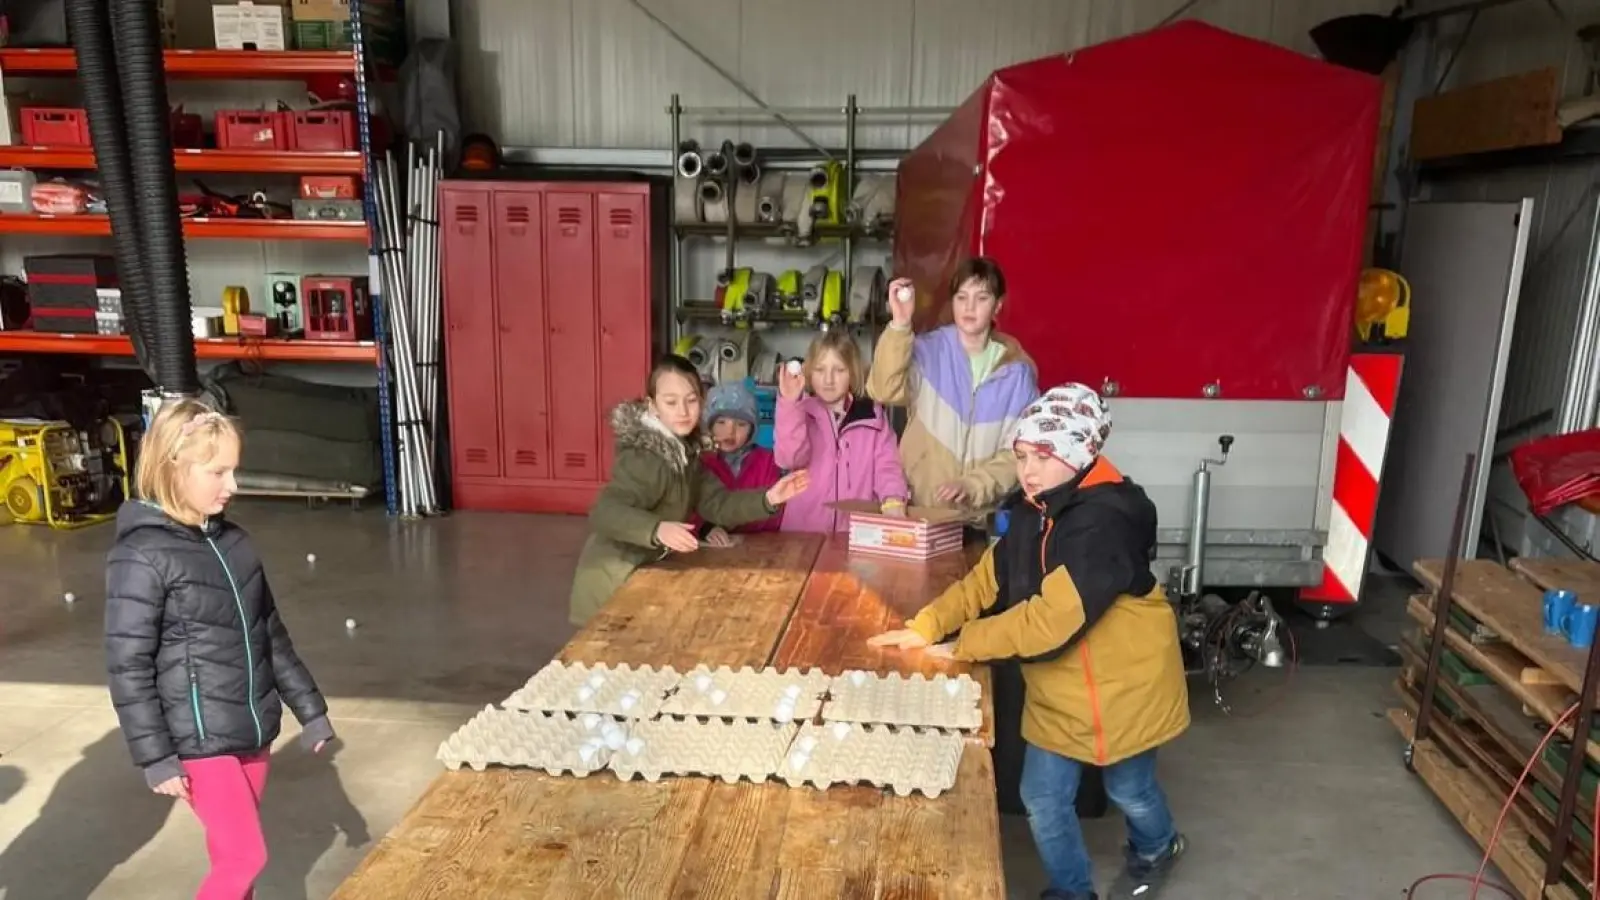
column 55, row 127
column 253, row 129
column 323, row 130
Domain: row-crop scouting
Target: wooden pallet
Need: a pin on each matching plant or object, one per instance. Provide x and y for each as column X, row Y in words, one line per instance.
column 1488, row 731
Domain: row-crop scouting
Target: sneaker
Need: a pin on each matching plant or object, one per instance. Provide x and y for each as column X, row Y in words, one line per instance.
column 1143, row 878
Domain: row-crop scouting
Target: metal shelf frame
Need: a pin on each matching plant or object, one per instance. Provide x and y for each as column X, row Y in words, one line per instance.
column 849, row 116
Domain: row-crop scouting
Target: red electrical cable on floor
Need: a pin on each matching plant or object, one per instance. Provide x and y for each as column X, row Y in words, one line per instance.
column 1476, row 879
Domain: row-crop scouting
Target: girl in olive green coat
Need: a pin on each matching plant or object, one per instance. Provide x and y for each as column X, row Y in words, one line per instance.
column 656, row 482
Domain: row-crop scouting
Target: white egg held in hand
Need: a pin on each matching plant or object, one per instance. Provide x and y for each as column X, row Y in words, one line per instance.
column 904, row 294
column 795, row 367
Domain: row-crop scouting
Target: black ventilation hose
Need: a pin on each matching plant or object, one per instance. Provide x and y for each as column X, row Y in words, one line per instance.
column 90, row 23
column 137, row 29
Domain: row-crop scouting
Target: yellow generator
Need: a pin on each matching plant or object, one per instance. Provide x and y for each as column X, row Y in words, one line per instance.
column 50, row 474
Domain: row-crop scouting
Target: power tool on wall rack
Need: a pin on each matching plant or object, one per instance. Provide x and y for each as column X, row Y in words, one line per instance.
column 53, row 474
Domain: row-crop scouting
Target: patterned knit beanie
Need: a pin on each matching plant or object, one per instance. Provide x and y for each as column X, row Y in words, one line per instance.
column 1071, row 420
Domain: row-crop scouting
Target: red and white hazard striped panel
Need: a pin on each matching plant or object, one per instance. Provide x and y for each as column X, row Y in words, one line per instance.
column 1371, row 387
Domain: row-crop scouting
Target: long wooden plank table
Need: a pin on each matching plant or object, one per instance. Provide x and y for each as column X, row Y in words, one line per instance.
column 774, row 600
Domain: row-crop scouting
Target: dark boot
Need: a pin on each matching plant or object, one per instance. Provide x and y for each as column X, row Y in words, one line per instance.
column 1144, row 878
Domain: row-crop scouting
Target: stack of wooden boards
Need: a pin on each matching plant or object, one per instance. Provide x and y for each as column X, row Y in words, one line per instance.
column 797, row 726
column 1503, row 683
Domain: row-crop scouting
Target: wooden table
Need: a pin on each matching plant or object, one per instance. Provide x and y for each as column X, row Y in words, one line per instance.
column 783, row 600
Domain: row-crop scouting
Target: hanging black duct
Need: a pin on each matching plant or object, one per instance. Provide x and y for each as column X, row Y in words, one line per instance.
column 137, row 32
column 90, row 26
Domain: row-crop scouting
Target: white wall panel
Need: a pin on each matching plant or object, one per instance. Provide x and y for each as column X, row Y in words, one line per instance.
column 598, row 73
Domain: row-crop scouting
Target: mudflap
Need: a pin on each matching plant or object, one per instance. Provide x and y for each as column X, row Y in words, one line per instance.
column 1009, row 694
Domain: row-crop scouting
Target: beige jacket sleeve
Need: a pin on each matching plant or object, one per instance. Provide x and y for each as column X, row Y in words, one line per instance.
column 889, row 382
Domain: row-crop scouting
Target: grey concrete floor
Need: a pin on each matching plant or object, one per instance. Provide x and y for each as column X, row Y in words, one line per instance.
column 1302, row 797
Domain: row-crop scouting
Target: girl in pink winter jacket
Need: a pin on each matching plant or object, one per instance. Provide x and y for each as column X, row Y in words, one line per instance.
column 836, row 433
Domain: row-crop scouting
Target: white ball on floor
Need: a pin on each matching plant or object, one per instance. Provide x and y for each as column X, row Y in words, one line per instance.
column 311, row 557
column 350, row 624
column 70, row 597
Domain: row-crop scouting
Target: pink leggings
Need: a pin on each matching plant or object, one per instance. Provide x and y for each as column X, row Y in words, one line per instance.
column 225, row 792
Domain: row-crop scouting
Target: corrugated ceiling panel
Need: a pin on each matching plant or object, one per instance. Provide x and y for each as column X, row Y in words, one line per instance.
column 627, row 67
column 517, row 76
column 592, row 73
column 989, row 38
column 820, row 52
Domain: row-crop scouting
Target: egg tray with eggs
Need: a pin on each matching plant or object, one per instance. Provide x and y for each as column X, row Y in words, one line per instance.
column 902, row 760
column 942, row 702
column 778, row 695
column 621, row 691
column 552, row 742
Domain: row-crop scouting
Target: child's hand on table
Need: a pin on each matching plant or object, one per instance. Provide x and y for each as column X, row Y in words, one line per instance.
column 788, row 487
column 716, row 537
column 677, row 537
column 898, row 639
column 941, row 651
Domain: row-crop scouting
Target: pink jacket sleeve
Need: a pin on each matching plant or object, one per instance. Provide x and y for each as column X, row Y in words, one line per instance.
column 889, row 477
column 791, row 443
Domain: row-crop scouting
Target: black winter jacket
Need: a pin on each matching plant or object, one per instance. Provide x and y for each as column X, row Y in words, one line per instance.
column 200, row 661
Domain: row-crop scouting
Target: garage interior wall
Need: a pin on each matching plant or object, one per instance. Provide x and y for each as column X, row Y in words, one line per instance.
column 599, row 73
column 1562, row 248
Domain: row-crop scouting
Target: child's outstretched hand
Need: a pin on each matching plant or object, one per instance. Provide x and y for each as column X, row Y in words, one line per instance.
column 677, row 537
column 899, row 639
column 788, row 487
column 791, row 380
column 174, row 787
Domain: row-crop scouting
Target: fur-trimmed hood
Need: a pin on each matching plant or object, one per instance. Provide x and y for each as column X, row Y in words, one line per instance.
column 637, row 428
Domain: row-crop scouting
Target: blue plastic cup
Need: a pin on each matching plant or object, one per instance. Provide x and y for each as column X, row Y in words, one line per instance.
column 1557, row 604
column 1581, row 622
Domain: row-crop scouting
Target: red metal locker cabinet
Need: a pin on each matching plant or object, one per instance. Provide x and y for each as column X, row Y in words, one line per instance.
column 471, row 365
column 622, row 259
column 519, row 301
column 570, row 287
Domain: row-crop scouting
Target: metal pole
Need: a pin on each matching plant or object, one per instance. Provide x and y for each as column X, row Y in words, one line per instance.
column 1442, row 604
column 727, row 76
column 675, row 295
column 846, row 191
column 1573, row 777
column 369, row 206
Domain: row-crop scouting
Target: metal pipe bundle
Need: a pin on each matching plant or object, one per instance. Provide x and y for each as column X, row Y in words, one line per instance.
column 408, row 265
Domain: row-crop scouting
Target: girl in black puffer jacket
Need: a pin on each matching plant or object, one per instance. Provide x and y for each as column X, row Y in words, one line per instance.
column 201, row 664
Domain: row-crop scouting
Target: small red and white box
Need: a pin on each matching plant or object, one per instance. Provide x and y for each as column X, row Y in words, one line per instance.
column 922, row 533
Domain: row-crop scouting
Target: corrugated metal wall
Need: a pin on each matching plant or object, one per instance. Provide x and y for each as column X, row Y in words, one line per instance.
column 599, row 73
column 1509, row 40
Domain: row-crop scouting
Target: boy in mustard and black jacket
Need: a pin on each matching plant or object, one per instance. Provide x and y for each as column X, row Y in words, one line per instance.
column 1068, row 593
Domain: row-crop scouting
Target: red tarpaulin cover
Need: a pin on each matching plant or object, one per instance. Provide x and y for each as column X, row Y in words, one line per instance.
column 1555, row 471
column 1174, row 209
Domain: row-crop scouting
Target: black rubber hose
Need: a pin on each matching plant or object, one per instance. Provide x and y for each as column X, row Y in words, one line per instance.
column 90, row 23
column 137, row 32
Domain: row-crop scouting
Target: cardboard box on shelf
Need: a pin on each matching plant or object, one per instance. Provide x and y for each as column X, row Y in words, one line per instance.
column 923, row 533
column 372, row 11
column 247, row 25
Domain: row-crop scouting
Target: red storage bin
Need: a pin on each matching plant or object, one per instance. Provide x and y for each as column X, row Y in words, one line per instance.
column 323, row 130
column 55, row 127
column 253, row 129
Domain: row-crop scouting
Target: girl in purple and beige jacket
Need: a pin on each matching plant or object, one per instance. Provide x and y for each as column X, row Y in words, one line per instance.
column 836, row 433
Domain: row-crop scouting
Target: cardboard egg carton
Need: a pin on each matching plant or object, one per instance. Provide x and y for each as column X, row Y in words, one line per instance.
column 713, row 748
column 903, row 760
column 916, row 701
column 554, row 743
column 778, row 695
column 622, row 691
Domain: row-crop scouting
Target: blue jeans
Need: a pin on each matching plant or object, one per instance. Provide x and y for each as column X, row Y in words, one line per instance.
column 1050, row 791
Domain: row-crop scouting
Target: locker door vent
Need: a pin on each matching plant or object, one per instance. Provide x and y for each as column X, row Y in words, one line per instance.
column 477, row 455
column 621, row 217
column 526, row 458
column 467, row 213
column 518, row 214
column 575, row 460
column 569, row 216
